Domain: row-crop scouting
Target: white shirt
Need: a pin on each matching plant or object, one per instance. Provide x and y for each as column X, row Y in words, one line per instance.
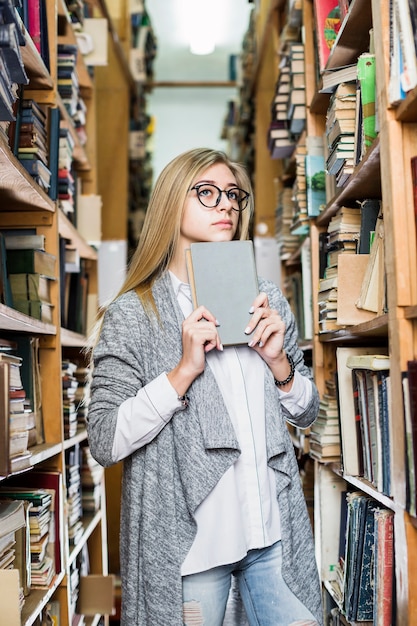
column 241, row 512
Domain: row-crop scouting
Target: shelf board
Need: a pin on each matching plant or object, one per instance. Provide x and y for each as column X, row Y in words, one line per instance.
column 44, row 451
column 90, row 522
column 13, row 320
column 78, row 438
column 17, row 187
column 376, row 328
column 38, row 74
column 68, row 231
column 71, row 339
column 410, row 312
column 353, row 37
column 37, row 600
column 365, row 182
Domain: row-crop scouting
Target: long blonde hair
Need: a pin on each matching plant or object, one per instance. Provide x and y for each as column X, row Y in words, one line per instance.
column 161, row 228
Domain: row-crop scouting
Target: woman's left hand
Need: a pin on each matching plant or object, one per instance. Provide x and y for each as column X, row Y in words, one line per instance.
column 266, row 330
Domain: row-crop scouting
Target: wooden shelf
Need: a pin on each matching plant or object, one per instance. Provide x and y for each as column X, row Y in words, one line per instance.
column 90, row 523
column 13, row 320
column 374, row 329
column 18, row 189
column 68, row 231
column 365, row 182
column 353, row 36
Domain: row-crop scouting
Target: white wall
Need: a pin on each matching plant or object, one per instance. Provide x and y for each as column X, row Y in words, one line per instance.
column 187, row 117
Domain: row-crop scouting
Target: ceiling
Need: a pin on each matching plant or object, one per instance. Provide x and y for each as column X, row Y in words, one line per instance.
column 171, row 23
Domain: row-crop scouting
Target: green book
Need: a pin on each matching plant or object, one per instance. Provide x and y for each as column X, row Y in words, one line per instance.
column 31, row 262
column 366, row 78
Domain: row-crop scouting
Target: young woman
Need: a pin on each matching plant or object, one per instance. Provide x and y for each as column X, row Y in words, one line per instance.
column 211, row 486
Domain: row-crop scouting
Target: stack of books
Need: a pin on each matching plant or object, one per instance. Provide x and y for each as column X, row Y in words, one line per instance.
column 13, row 541
column 12, row 72
column 288, row 243
column 91, row 482
column 30, row 141
column 325, row 432
column 41, row 531
column 74, row 510
column 69, row 388
column 31, row 272
column 296, row 111
column 66, row 182
column 340, row 132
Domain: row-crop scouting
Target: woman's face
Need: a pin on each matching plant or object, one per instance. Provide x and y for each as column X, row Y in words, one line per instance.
column 201, row 223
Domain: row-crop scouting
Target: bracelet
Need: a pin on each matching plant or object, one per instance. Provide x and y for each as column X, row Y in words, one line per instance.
column 281, row 383
column 185, row 401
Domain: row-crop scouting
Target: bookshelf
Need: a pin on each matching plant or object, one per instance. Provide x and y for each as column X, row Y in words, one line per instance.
column 383, row 172
column 25, row 204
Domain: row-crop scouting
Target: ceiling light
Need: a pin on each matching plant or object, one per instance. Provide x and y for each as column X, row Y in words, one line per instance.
column 202, row 16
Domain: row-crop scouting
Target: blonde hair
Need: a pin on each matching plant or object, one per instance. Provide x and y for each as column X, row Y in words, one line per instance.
column 161, row 228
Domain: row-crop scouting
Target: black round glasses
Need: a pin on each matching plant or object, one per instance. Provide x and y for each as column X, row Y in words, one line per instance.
column 210, row 195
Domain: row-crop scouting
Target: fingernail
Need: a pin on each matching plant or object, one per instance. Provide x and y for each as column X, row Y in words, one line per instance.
column 217, row 323
column 260, row 344
column 247, row 330
column 252, row 309
column 251, row 344
column 221, row 347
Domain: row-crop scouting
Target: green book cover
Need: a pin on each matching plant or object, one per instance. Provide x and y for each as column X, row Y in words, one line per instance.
column 366, row 77
column 31, row 262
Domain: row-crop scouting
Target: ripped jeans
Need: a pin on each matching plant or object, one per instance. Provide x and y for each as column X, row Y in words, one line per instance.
column 267, row 599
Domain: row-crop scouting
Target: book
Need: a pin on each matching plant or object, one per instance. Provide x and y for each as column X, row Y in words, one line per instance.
column 331, row 78
column 383, row 571
column 327, row 22
column 31, row 262
column 368, row 361
column 223, row 278
column 315, row 183
column 10, row 49
column 408, row 70
column 367, row 84
column 24, row 242
column 4, row 418
column 12, row 516
column 350, row 427
column 31, row 287
column 370, row 209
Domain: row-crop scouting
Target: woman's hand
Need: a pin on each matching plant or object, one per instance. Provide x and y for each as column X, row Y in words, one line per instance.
column 267, row 332
column 199, row 336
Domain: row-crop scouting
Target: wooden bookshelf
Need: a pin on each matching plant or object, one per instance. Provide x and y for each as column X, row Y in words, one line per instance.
column 24, row 204
column 384, row 173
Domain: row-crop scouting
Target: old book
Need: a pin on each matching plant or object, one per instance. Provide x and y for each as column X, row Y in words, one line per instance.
column 350, row 273
column 369, row 361
column 327, row 22
column 383, row 573
column 367, row 84
column 223, row 278
column 4, row 418
column 38, row 309
column 31, row 287
column 31, row 262
column 349, row 419
column 12, row 516
column 15, row 241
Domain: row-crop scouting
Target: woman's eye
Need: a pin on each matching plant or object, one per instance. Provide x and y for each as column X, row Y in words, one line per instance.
column 204, row 191
column 232, row 195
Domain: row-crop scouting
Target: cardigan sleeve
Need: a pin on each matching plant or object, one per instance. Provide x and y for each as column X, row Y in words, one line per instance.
column 278, row 301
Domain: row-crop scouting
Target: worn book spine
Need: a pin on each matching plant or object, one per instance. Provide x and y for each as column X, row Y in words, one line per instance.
column 383, row 568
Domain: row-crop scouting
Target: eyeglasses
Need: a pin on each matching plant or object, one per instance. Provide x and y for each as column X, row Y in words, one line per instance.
column 210, row 196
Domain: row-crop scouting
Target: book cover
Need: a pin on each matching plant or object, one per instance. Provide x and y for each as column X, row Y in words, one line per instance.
column 31, row 262
column 4, row 418
column 349, row 418
column 369, row 361
column 383, row 570
column 223, row 278
column 365, row 604
column 370, row 209
column 9, row 46
column 31, row 287
column 315, row 172
column 327, row 22
column 367, row 82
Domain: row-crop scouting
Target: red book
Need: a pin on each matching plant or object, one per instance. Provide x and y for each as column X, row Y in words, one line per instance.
column 34, row 22
column 327, row 19
column 414, row 183
column 383, row 567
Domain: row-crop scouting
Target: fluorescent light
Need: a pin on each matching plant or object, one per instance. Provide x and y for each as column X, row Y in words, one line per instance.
column 202, row 16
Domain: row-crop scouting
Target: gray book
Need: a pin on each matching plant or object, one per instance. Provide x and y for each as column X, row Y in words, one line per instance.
column 223, row 278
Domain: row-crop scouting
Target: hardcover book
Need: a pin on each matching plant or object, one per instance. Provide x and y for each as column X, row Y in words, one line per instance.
column 327, row 21
column 223, row 278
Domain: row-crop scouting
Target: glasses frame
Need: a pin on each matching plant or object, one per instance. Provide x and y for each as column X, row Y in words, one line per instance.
column 239, row 209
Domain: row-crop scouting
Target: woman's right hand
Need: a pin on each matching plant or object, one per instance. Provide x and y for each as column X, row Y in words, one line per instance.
column 199, row 336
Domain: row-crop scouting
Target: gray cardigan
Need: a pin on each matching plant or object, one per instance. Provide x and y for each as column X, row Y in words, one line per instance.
column 166, row 480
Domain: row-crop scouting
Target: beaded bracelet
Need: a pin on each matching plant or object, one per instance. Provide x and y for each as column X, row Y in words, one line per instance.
column 281, row 383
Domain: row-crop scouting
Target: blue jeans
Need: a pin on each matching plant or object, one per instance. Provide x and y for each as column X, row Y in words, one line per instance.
column 267, row 599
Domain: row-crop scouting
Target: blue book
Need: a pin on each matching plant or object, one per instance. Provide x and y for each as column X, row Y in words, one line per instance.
column 365, row 604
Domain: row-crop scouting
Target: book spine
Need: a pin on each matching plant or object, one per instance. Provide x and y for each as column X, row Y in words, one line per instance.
column 34, row 27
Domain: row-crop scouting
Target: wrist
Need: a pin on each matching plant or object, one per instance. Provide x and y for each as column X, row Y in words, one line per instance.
column 281, row 381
